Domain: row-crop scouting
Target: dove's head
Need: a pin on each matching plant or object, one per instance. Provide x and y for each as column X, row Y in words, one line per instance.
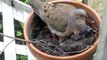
column 81, row 13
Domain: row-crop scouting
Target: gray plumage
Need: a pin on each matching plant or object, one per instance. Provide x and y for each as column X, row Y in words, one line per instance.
column 62, row 19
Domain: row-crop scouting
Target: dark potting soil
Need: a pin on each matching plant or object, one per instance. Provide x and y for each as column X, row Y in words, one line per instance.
column 52, row 44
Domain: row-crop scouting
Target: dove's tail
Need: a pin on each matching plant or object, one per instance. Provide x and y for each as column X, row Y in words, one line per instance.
column 36, row 4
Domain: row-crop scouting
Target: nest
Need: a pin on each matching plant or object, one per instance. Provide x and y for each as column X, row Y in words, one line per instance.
column 66, row 46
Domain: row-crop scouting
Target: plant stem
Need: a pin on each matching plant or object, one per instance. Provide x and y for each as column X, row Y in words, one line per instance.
column 14, row 40
column 5, row 47
column 17, row 38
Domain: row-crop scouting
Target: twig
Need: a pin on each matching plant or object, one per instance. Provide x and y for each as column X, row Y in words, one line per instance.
column 17, row 38
column 14, row 40
column 46, row 43
column 36, row 42
column 40, row 34
column 79, row 51
column 5, row 47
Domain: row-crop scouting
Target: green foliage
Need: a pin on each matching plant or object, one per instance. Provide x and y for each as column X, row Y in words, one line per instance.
column 21, row 24
column 2, row 56
column 1, row 26
column 21, row 57
column 25, row 1
column 19, row 33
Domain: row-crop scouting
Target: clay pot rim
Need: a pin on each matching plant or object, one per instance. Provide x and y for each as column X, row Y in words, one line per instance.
column 61, row 57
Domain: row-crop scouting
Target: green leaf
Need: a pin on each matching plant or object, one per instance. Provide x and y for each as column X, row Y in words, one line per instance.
column 1, row 26
column 21, row 24
column 25, row 1
column 19, row 33
column 21, row 57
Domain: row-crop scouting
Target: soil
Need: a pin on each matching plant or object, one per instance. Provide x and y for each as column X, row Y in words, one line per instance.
column 52, row 44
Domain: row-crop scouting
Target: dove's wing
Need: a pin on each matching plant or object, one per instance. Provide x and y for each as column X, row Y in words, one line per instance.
column 36, row 4
column 58, row 16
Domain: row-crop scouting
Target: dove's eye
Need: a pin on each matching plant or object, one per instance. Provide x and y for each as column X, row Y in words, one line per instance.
column 81, row 15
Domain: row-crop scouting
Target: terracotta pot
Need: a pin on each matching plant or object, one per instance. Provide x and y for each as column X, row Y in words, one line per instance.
column 81, row 56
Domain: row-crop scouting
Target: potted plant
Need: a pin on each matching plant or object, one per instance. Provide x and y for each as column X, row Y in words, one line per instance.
column 85, row 55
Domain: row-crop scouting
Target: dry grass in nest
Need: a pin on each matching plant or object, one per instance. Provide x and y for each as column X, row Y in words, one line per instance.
column 58, row 46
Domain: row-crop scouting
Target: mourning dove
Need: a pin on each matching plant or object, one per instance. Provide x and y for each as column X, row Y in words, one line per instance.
column 62, row 19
